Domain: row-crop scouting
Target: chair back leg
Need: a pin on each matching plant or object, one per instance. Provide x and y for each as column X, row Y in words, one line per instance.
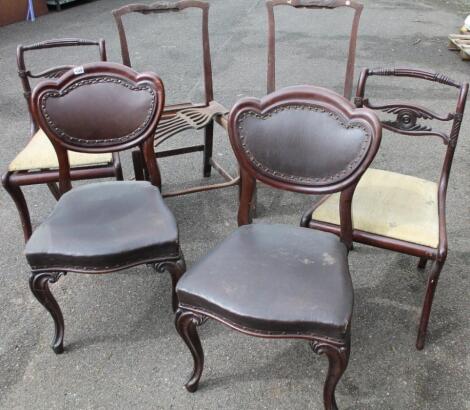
column 208, row 144
column 54, row 190
column 427, row 304
column 422, row 263
column 18, row 198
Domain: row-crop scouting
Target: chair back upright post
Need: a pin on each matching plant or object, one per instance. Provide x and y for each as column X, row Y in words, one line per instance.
column 406, row 123
column 100, row 107
column 303, row 139
column 53, row 72
column 313, row 4
column 158, row 8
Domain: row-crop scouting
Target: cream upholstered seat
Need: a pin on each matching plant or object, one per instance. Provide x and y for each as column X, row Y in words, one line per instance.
column 392, row 205
column 40, row 154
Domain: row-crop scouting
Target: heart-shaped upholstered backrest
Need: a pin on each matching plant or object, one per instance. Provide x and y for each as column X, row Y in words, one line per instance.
column 304, row 143
column 98, row 110
column 305, row 139
column 100, row 107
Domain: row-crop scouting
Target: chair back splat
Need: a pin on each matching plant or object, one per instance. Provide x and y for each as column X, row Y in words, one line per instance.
column 303, row 139
column 313, row 4
column 118, row 107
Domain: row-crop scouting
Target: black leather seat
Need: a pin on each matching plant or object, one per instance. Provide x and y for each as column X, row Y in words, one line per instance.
column 103, row 226
column 275, row 278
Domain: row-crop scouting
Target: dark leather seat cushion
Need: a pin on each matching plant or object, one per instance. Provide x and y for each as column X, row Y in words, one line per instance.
column 104, row 226
column 274, row 278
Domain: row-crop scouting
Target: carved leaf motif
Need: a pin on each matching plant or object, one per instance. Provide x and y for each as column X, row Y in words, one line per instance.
column 407, row 119
column 415, row 112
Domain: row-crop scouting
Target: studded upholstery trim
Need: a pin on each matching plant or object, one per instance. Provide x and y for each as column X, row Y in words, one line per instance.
column 122, row 139
column 296, row 178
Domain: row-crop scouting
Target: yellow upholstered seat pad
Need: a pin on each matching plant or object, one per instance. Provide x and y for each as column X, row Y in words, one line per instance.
column 40, row 154
column 392, row 205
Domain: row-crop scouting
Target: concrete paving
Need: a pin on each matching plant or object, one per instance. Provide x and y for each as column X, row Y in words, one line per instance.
column 122, row 350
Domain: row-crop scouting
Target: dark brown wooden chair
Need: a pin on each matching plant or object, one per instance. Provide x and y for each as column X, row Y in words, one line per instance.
column 37, row 163
column 281, row 281
column 108, row 226
column 184, row 116
column 313, row 4
column 395, row 211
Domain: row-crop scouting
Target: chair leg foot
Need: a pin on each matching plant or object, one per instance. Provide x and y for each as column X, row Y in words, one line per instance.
column 422, row 263
column 427, row 304
column 186, row 324
column 17, row 195
column 176, row 270
column 338, row 358
column 39, row 285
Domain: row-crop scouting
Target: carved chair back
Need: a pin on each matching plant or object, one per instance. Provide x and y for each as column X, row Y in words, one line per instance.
column 158, row 8
column 313, row 4
column 409, row 115
column 303, row 139
column 100, row 107
column 53, row 72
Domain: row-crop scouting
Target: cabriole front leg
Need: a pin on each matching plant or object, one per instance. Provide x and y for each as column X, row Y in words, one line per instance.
column 338, row 358
column 186, row 324
column 39, row 285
